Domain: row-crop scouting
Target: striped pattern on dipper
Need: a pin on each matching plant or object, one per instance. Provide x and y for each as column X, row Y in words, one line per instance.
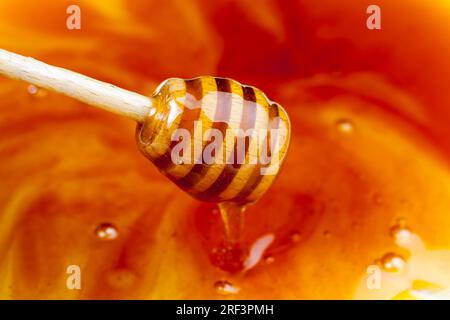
column 202, row 107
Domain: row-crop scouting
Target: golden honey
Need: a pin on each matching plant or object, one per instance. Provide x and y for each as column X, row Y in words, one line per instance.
column 369, row 146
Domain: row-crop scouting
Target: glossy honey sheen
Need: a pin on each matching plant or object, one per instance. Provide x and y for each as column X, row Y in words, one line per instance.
column 204, row 103
column 365, row 106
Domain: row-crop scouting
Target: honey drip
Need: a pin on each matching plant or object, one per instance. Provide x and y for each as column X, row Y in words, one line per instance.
column 231, row 253
column 232, row 215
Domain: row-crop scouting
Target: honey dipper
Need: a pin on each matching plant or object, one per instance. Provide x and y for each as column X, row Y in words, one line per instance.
column 188, row 110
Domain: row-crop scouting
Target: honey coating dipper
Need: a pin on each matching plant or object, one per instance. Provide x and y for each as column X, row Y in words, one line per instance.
column 218, row 140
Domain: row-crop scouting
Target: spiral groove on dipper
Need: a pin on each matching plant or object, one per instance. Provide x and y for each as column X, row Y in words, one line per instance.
column 203, row 105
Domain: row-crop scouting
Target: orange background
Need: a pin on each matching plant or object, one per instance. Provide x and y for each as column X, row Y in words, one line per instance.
column 65, row 167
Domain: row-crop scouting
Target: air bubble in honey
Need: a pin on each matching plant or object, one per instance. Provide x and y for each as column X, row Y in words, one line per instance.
column 36, row 91
column 106, row 231
column 269, row 259
column 400, row 234
column 295, row 236
column 224, row 287
column 392, row 262
column 345, row 126
column 229, row 257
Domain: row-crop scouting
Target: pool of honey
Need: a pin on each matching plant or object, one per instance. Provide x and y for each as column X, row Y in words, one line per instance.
column 366, row 181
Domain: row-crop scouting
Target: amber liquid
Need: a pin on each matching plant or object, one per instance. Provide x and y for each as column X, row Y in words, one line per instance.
column 370, row 145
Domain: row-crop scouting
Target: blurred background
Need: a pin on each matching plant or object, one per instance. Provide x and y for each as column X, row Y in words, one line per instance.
column 360, row 210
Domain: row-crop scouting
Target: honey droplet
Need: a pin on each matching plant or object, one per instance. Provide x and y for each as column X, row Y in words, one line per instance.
column 295, row 236
column 224, row 287
column 392, row 262
column 400, row 234
column 106, row 231
column 345, row 126
column 269, row 259
column 36, row 91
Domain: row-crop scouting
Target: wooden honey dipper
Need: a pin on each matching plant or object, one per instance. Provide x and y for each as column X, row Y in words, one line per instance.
column 218, row 105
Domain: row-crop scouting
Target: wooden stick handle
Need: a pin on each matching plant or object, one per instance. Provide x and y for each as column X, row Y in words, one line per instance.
column 96, row 93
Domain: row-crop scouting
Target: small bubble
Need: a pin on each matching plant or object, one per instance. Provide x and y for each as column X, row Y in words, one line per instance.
column 327, row 233
column 392, row 262
column 400, row 232
column 345, row 126
column 269, row 259
column 36, row 92
column 229, row 257
column 295, row 236
column 224, row 287
column 106, row 231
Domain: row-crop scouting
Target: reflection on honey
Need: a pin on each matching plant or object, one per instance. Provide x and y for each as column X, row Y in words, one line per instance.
column 370, row 147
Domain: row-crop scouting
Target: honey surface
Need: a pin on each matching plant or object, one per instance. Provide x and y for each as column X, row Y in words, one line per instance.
column 368, row 161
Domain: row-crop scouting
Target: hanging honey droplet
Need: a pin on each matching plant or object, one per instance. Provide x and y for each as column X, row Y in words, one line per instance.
column 224, row 287
column 106, row 231
column 230, row 255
